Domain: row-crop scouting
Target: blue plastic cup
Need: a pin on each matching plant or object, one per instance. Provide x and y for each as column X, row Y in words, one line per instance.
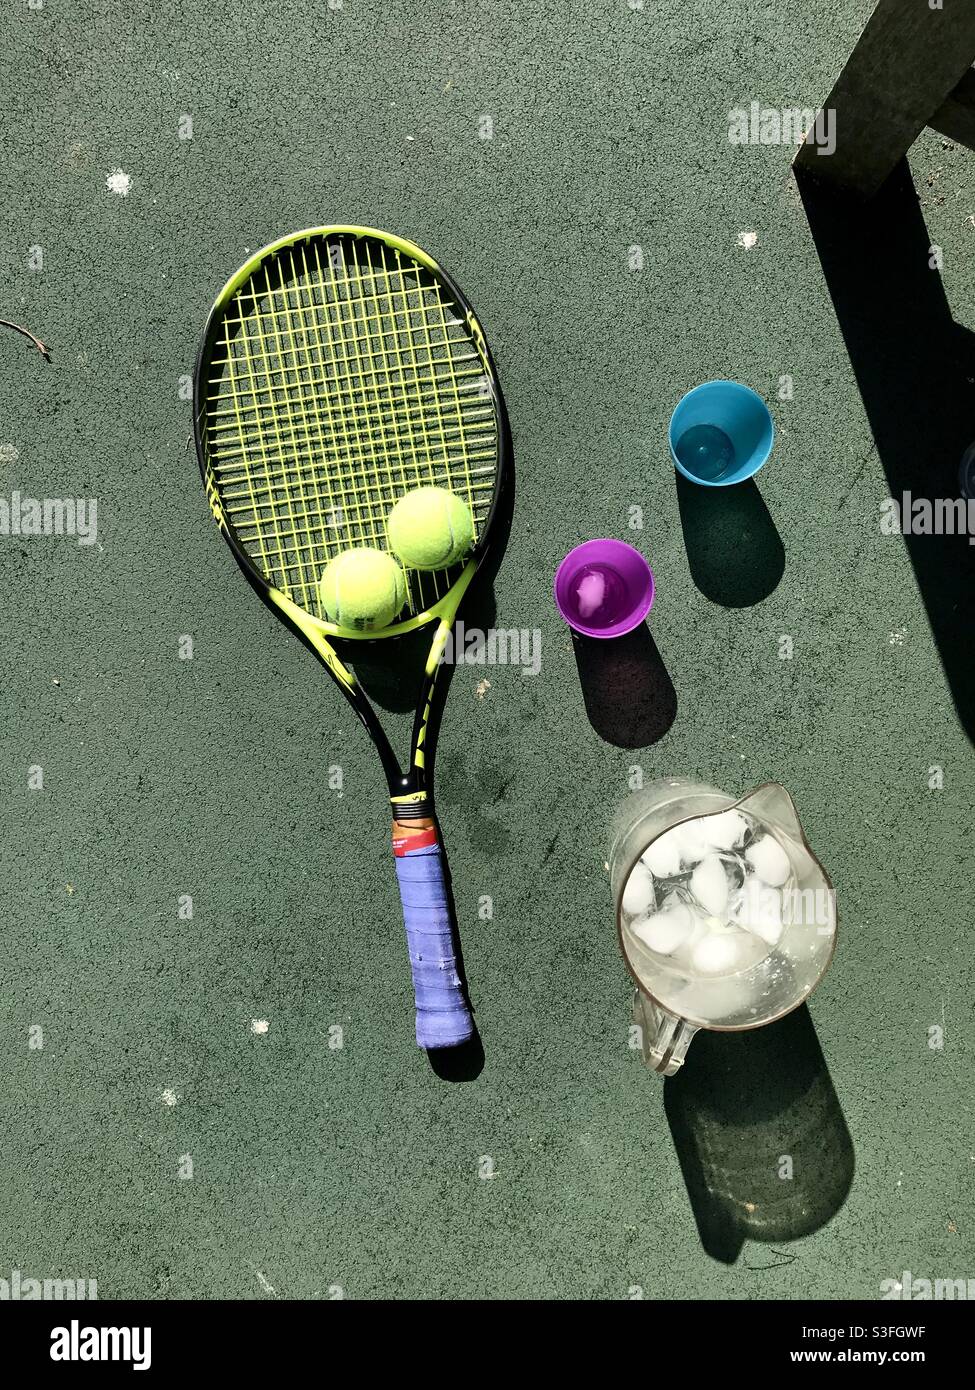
column 720, row 433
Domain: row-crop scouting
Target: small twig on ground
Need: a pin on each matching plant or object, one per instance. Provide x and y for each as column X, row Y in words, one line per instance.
column 44, row 351
column 782, row 1258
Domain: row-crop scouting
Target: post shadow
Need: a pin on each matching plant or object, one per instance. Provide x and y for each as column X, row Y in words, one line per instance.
column 914, row 367
column 735, row 554
column 739, row 1108
column 629, row 697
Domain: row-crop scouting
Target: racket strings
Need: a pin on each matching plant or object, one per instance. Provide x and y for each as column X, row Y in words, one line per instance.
column 343, row 378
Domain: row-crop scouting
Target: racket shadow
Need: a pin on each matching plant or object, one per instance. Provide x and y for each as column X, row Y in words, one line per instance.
column 393, row 683
column 465, row 1063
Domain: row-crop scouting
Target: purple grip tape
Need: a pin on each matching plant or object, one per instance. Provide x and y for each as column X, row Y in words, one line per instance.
column 442, row 1016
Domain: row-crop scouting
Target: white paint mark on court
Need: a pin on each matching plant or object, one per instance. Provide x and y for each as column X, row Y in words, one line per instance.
column 268, row 1288
column 119, row 182
column 481, row 689
column 746, row 240
column 259, row 1025
column 9, row 453
column 169, row 1097
column 896, row 639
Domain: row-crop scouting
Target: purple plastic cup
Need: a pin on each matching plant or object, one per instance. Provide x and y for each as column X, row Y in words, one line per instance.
column 604, row 588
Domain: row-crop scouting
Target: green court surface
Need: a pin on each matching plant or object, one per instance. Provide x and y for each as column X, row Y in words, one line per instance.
column 570, row 164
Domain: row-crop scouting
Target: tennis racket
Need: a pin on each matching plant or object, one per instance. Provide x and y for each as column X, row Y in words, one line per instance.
column 340, row 368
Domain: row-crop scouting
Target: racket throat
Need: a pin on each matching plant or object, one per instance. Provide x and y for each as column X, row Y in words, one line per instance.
column 414, row 823
column 413, row 809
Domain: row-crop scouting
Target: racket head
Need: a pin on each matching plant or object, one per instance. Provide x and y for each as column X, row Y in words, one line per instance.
column 340, row 368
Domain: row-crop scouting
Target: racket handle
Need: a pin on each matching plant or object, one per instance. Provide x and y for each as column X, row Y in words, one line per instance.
column 442, row 1016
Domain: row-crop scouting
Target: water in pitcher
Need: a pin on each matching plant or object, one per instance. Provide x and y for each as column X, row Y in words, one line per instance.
column 709, row 900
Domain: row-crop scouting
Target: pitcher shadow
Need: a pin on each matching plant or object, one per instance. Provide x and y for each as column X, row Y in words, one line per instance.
column 763, row 1146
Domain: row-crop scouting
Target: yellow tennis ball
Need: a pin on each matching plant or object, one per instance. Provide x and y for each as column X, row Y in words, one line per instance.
column 362, row 588
column 430, row 528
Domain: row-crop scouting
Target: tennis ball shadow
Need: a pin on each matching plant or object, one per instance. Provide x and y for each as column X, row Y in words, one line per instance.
column 761, row 1138
column 629, row 697
column 735, row 554
column 391, row 671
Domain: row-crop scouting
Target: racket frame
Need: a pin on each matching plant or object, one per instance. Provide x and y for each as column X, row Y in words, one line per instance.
column 410, row 791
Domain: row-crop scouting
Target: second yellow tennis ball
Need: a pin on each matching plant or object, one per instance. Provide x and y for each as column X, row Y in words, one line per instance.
column 362, row 588
column 430, row 528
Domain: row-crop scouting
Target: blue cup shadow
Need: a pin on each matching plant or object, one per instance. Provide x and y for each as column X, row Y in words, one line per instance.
column 734, row 552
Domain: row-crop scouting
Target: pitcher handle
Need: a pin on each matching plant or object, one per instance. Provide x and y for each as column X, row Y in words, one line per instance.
column 664, row 1037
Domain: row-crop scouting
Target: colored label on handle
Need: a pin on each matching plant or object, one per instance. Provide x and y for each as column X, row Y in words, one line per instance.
column 405, row 840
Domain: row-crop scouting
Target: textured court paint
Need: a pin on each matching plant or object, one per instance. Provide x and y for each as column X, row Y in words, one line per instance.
column 326, row 1156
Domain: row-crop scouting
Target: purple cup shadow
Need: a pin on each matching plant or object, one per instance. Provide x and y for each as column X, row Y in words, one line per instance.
column 629, row 580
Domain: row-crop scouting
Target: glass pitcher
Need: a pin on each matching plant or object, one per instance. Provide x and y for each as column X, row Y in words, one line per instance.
column 672, row 1000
